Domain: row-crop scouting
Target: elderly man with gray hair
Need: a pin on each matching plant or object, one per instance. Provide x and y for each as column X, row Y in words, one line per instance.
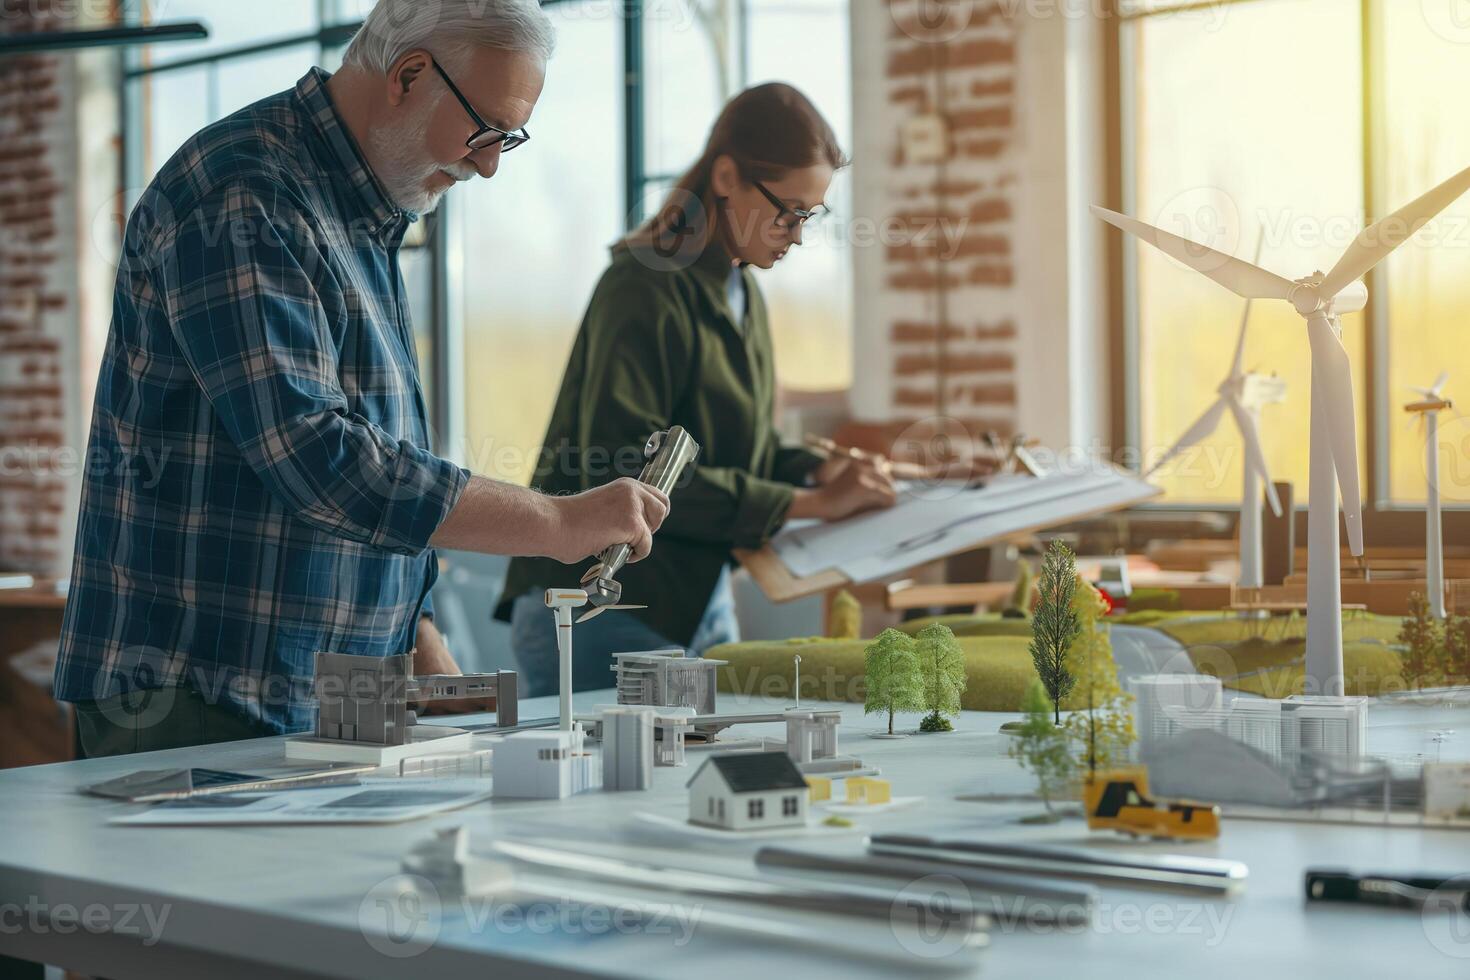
column 260, row 350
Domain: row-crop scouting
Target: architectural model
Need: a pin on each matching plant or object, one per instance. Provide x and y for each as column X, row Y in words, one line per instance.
column 1168, row 704
column 543, row 765
column 363, row 712
column 1321, row 300
column 627, row 748
column 868, row 791
column 445, row 860
column 667, row 679
column 1428, row 408
column 748, row 791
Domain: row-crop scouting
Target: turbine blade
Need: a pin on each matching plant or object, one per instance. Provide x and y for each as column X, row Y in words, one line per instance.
column 1375, row 242
column 591, row 573
column 1254, row 455
column 1439, row 383
column 1332, row 381
column 1238, row 361
column 599, row 610
column 1236, row 275
column 1201, row 428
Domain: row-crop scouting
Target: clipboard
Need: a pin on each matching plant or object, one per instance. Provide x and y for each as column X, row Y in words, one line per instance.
column 780, row 584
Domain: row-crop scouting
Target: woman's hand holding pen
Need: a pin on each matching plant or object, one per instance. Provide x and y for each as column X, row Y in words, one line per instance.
column 846, row 486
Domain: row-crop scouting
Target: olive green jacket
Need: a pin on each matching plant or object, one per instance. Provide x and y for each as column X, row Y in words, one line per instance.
column 660, row 348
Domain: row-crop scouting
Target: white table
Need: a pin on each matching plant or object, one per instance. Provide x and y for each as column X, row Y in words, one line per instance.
column 293, row 901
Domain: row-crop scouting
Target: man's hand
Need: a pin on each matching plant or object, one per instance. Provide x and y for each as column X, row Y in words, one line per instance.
column 624, row 511
column 857, row 486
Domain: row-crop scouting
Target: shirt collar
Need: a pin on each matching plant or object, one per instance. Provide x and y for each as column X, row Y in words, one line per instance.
column 388, row 220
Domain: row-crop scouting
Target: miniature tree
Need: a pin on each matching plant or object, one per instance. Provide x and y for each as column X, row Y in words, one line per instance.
column 892, row 681
column 1041, row 746
column 845, row 619
column 1457, row 648
column 942, row 664
column 1421, row 638
column 1105, row 730
column 1019, row 605
column 1054, row 623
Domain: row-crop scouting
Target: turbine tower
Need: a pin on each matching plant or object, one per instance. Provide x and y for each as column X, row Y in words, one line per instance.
column 1242, row 394
column 1321, row 300
column 1428, row 408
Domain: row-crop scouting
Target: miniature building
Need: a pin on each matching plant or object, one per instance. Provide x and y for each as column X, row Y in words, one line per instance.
column 667, row 679
column 1165, row 704
column 673, row 727
column 1256, row 723
column 748, row 791
column 867, row 790
column 627, row 748
column 542, row 765
column 811, row 735
column 362, row 699
column 503, row 686
column 1324, row 724
column 1447, row 790
column 819, row 788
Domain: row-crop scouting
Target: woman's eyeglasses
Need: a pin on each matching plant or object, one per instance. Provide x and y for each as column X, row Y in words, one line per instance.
column 789, row 218
column 485, row 135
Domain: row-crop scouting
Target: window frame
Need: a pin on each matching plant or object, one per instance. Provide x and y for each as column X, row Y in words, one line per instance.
column 1386, row 522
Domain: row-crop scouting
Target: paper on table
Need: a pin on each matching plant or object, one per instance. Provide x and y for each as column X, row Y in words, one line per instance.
column 920, row 529
column 373, row 801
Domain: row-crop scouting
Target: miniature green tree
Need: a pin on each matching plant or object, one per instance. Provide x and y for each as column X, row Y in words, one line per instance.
column 1457, row 649
column 942, row 664
column 1019, row 606
column 845, row 620
column 892, row 681
column 1420, row 634
column 1041, row 746
column 1106, row 729
column 1054, row 623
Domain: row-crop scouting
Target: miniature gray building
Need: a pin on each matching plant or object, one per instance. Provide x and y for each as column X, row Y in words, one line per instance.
column 362, row 699
column 627, row 748
column 811, row 735
column 748, row 791
column 667, row 679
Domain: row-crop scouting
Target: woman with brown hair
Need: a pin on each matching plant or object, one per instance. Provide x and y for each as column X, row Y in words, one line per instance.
column 677, row 334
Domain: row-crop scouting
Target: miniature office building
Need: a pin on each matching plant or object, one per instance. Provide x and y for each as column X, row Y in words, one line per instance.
column 811, row 735
column 627, row 748
column 541, row 765
column 1314, row 723
column 362, row 699
column 1165, row 704
column 667, row 679
column 748, row 791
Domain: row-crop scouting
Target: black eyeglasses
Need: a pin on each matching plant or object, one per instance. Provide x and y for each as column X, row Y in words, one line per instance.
column 486, row 135
column 789, row 218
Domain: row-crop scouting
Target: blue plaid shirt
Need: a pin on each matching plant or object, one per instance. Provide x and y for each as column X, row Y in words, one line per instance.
column 257, row 485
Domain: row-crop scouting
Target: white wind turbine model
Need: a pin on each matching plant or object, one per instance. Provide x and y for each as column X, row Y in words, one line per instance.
column 1428, row 408
column 1242, row 394
column 1320, row 300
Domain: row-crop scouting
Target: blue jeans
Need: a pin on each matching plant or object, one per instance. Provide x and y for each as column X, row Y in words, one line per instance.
column 533, row 640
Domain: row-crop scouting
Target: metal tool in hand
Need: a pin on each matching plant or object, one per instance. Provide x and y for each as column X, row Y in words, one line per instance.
column 666, row 455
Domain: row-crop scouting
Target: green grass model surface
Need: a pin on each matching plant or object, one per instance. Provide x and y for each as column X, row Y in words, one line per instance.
column 1247, row 656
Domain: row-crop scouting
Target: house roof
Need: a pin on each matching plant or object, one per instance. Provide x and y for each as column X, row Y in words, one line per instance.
column 748, row 772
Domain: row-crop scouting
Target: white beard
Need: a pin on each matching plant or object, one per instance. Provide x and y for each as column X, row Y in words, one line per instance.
column 402, row 165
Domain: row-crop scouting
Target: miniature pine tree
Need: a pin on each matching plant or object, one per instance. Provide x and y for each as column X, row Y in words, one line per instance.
column 1457, row 649
column 1054, row 623
column 942, row 664
column 845, row 620
column 1019, row 605
column 1105, row 730
column 1421, row 638
column 1041, row 746
column 892, row 681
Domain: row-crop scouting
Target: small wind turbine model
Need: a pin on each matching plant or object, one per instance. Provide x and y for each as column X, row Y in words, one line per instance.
column 1428, row 409
column 562, row 602
column 1320, row 300
column 1243, row 394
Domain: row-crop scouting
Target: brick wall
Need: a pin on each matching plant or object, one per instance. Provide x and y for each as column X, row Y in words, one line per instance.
column 979, row 303
column 49, row 172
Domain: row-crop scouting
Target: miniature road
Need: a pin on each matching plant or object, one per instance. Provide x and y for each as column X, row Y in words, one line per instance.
column 1140, row 650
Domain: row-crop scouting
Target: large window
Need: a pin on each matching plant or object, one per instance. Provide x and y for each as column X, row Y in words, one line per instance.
column 1234, row 129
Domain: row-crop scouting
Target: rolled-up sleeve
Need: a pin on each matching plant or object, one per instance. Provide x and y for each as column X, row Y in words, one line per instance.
column 243, row 287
